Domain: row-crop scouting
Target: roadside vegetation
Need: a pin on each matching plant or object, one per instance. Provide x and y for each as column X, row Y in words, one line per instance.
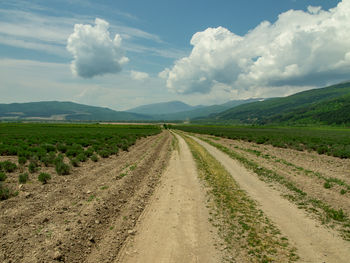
column 330, row 141
column 323, row 211
column 328, row 181
column 246, row 231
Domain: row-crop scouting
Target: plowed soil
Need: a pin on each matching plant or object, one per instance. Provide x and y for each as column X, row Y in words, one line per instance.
column 87, row 215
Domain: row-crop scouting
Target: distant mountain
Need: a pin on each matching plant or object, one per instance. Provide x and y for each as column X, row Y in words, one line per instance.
column 54, row 110
column 201, row 111
column 235, row 103
column 69, row 111
column 311, row 106
column 163, row 108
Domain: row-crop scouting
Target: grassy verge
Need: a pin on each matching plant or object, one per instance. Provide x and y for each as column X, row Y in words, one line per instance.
column 248, row 234
column 175, row 143
column 324, row 212
column 334, row 142
column 327, row 180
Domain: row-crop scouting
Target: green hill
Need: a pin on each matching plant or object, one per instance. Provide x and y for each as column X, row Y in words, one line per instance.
column 333, row 111
column 54, row 110
column 163, row 108
column 201, row 111
column 317, row 106
column 69, row 111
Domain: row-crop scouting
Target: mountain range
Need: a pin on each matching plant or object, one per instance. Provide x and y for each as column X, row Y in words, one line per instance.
column 329, row 106
column 69, row 111
column 177, row 110
column 63, row 111
column 164, row 108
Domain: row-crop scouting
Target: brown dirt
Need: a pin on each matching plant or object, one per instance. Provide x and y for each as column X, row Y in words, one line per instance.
column 175, row 226
column 85, row 216
column 314, row 242
column 327, row 166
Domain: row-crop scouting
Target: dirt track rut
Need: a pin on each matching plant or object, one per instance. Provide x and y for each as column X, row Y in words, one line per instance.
column 175, row 226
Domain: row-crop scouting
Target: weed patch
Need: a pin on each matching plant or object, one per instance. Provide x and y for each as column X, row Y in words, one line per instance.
column 4, row 192
column 44, row 177
column 62, row 168
column 22, row 160
column 74, row 162
column 94, row 158
column 8, row 167
column 33, row 167
column 91, row 198
column 3, row 177
column 23, row 178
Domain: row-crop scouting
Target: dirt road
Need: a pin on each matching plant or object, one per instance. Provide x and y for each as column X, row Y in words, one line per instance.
column 175, row 226
column 314, row 242
column 110, row 212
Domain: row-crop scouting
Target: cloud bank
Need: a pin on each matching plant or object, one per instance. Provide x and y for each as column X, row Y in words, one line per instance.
column 94, row 52
column 300, row 49
column 137, row 75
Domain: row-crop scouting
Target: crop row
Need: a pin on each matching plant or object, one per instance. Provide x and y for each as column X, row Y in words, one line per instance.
column 62, row 146
column 43, row 142
column 325, row 141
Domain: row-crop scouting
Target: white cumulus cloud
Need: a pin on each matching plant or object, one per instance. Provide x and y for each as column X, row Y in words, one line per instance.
column 139, row 75
column 301, row 49
column 94, row 52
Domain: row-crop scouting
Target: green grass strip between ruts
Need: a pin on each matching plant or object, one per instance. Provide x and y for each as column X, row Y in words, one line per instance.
column 248, row 234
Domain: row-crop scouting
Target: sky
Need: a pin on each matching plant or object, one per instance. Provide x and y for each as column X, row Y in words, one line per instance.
column 122, row 54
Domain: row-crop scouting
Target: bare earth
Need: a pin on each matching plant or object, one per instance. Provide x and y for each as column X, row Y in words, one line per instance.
column 175, row 226
column 85, row 216
column 313, row 241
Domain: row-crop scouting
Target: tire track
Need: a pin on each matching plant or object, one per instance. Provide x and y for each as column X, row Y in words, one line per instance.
column 175, row 226
column 314, row 242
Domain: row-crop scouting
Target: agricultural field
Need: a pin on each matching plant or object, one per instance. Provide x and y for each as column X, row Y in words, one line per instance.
column 108, row 174
column 329, row 141
column 139, row 193
column 30, row 147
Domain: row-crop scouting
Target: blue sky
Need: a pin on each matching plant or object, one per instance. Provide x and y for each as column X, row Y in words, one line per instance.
column 200, row 52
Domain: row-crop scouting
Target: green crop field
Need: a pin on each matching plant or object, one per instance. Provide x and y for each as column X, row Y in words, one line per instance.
column 38, row 145
column 330, row 141
column 42, row 141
